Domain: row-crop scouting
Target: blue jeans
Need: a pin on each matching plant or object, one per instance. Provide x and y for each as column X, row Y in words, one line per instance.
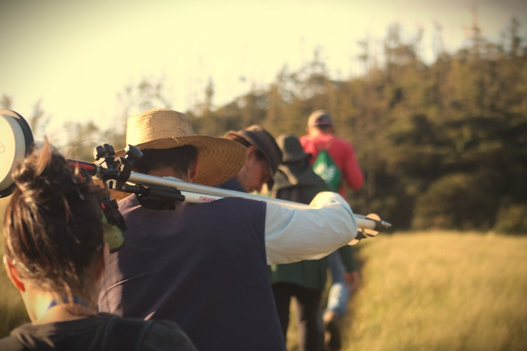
column 339, row 292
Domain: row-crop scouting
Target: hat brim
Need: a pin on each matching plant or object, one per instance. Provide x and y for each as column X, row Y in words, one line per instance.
column 219, row 159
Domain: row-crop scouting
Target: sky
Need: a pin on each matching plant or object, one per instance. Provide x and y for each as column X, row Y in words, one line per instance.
column 76, row 56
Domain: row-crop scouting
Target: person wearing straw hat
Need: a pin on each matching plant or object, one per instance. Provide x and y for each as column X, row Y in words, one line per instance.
column 204, row 266
column 263, row 158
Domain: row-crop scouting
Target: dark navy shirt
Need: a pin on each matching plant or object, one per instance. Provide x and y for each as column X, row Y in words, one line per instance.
column 232, row 185
column 202, row 266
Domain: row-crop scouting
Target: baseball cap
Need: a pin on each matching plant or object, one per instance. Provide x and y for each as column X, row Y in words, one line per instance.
column 319, row 118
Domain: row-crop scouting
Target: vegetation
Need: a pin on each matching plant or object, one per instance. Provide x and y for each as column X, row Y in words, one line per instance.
column 438, row 290
column 442, row 143
column 12, row 310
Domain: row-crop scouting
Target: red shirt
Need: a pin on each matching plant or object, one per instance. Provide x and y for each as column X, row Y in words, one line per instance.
column 341, row 152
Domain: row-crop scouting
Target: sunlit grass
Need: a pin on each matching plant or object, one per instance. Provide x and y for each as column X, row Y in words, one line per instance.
column 440, row 291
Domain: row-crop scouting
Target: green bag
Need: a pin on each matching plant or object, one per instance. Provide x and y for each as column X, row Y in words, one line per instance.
column 326, row 169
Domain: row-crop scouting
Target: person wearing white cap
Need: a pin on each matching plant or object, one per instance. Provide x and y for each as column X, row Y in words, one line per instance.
column 204, row 266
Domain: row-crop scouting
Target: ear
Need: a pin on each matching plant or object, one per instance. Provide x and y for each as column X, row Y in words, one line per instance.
column 13, row 275
column 251, row 153
column 193, row 170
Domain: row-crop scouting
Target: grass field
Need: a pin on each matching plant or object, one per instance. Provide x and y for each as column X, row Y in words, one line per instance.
column 419, row 291
column 439, row 291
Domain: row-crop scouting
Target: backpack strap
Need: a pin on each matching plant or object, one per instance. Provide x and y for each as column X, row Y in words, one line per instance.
column 123, row 334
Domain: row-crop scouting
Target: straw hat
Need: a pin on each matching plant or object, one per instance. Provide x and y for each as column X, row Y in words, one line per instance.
column 219, row 159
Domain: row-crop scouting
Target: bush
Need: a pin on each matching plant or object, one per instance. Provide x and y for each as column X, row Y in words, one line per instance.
column 512, row 219
column 456, row 201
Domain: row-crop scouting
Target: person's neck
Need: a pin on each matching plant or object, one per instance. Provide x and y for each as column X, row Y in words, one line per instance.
column 66, row 312
column 168, row 172
column 323, row 136
column 43, row 308
column 315, row 132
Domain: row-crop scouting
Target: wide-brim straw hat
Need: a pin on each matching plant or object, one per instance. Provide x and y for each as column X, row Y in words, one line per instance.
column 219, row 159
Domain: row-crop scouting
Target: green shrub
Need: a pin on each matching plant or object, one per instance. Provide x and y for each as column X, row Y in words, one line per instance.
column 456, row 201
column 512, row 219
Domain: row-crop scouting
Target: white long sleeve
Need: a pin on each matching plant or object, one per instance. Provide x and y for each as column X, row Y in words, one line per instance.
column 293, row 235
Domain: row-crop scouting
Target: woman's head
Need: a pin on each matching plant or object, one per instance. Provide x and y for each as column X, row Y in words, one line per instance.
column 52, row 226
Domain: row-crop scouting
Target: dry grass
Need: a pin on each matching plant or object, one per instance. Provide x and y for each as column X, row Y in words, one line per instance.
column 440, row 291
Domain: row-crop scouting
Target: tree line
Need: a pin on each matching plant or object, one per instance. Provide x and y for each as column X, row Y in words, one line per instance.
column 441, row 144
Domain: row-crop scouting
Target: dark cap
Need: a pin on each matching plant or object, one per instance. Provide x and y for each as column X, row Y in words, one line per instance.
column 319, row 118
column 263, row 141
column 291, row 148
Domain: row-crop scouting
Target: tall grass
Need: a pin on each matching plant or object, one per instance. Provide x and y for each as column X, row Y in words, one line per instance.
column 12, row 310
column 439, row 291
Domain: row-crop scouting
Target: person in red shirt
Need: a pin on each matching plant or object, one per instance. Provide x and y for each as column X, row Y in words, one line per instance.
column 345, row 277
column 321, row 135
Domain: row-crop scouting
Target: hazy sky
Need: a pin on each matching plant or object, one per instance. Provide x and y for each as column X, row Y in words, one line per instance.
column 77, row 55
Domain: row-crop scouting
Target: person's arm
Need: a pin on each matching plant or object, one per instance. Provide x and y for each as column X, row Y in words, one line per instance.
column 293, row 235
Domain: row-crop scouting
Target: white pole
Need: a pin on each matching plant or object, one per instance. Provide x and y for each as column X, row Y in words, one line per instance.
column 195, row 193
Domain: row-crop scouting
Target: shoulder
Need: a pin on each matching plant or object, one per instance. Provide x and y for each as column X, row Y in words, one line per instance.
column 306, row 139
column 128, row 204
column 239, row 204
column 166, row 335
column 10, row 343
column 340, row 141
column 158, row 335
column 232, row 184
column 341, row 145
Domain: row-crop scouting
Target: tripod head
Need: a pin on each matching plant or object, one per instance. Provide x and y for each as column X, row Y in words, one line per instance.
column 16, row 142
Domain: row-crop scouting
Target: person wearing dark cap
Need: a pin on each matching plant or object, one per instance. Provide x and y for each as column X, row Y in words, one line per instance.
column 205, row 266
column 263, row 158
column 305, row 280
column 344, row 275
